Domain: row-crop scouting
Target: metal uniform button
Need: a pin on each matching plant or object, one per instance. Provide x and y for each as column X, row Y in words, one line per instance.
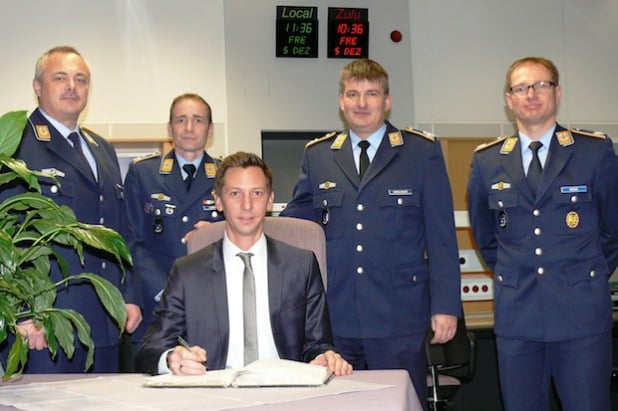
column 359, row 248
column 214, row 214
column 500, row 204
column 53, row 189
column 360, row 207
column 101, row 198
column 101, row 220
column 537, row 231
column 540, row 271
column 359, row 270
column 157, row 212
column 538, row 251
column 324, row 203
column 536, row 212
column 574, row 199
column 183, row 240
column 500, row 278
column 185, row 219
column 400, row 201
column 103, row 265
column 359, row 227
column 414, row 278
column 592, row 273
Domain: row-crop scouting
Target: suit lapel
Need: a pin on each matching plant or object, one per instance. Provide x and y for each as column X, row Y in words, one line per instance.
column 512, row 165
column 557, row 157
column 217, row 280
column 60, row 147
column 344, row 158
column 275, row 288
column 383, row 157
column 172, row 181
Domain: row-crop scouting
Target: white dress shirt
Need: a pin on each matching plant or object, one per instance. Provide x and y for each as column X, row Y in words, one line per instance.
column 234, row 268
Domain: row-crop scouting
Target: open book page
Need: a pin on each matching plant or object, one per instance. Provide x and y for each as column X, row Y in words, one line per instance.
column 261, row 373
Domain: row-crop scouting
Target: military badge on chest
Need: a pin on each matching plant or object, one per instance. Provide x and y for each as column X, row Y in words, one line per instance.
column 572, row 219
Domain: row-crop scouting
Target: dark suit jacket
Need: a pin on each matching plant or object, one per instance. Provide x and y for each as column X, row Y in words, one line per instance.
column 94, row 202
column 551, row 255
column 380, row 233
column 194, row 305
column 156, row 192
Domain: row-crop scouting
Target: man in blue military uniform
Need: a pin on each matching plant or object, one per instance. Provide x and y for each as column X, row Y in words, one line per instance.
column 386, row 209
column 165, row 201
column 545, row 218
column 89, row 182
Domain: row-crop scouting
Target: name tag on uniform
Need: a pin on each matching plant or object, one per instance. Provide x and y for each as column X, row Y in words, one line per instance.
column 573, row 189
column 399, row 192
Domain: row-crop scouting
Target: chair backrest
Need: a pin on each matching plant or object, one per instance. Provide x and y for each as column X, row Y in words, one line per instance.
column 294, row 231
column 455, row 353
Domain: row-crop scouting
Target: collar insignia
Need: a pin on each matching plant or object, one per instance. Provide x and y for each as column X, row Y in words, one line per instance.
column 42, row 133
column 508, row 145
column 166, row 166
column 338, row 141
column 564, row 138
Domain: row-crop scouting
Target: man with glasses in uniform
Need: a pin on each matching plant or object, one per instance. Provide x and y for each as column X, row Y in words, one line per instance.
column 543, row 209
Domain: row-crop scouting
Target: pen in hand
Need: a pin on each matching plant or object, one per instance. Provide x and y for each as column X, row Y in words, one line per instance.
column 186, row 345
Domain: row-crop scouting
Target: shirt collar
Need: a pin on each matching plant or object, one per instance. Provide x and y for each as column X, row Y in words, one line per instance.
column 375, row 139
column 545, row 139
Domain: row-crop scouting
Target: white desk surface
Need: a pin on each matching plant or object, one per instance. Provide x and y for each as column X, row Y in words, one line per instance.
column 400, row 396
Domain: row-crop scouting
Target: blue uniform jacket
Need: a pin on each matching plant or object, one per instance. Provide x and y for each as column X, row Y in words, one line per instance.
column 551, row 256
column 102, row 202
column 161, row 212
column 391, row 245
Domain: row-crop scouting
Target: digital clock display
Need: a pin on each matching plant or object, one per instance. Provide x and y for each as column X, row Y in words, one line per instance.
column 297, row 31
column 348, row 33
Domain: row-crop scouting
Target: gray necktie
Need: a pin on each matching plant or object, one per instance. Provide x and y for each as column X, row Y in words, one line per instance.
column 363, row 159
column 190, row 170
column 249, row 314
column 534, row 169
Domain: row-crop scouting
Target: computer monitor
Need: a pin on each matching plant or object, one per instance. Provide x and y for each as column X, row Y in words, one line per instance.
column 282, row 151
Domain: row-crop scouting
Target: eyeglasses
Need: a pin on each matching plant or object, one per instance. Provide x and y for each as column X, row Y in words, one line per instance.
column 538, row 87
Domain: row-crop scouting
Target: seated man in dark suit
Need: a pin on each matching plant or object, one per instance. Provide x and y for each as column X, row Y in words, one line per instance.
column 203, row 299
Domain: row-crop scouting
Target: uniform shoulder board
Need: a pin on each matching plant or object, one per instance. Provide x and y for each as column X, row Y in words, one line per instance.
column 595, row 134
column 425, row 134
column 146, row 157
column 319, row 139
column 483, row 146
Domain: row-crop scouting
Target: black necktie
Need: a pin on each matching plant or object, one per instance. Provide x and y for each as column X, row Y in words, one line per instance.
column 535, row 169
column 77, row 146
column 190, row 170
column 249, row 310
column 363, row 159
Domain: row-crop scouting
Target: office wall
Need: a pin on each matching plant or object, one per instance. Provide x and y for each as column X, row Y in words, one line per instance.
column 446, row 74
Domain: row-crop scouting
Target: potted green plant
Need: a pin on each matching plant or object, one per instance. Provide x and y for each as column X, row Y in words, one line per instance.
column 32, row 226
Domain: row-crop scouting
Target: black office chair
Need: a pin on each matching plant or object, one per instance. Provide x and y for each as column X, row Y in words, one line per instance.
column 449, row 366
